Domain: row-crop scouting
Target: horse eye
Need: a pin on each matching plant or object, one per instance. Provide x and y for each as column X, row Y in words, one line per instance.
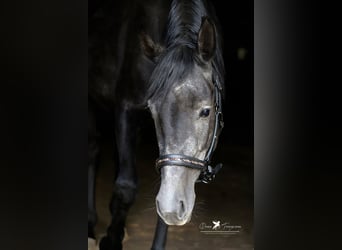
column 205, row 113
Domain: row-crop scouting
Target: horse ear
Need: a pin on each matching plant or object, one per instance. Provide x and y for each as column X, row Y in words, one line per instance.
column 206, row 39
column 149, row 47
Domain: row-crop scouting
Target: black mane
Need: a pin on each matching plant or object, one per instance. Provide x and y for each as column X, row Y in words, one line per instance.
column 180, row 55
column 185, row 18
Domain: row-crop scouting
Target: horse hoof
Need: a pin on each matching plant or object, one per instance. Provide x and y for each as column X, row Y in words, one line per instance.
column 126, row 237
column 92, row 244
column 108, row 244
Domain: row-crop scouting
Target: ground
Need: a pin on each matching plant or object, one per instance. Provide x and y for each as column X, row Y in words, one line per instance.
column 229, row 199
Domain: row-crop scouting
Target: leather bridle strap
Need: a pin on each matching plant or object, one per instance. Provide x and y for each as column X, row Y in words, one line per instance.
column 180, row 160
column 218, row 121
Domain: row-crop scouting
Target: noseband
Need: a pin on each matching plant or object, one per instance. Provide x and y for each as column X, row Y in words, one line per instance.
column 207, row 172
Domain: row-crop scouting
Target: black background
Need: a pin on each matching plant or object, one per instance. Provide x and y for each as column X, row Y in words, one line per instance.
column 236, row 18
column 297, row 133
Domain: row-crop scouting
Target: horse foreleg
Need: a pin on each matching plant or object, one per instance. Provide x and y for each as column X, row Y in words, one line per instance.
column 125, row 184
column 160, row 235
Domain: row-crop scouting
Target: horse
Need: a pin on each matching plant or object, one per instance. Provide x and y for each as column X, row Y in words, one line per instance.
column 165, row 58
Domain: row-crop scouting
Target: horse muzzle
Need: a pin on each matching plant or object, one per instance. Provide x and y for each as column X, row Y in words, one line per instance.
column 176, row 196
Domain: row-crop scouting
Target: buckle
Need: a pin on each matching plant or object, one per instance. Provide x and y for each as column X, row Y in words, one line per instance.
column 208, row 175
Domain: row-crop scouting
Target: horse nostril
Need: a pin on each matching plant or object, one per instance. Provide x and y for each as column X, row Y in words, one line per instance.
column 181, row 211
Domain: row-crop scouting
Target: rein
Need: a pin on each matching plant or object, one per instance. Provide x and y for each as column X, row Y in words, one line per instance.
column 207, row 171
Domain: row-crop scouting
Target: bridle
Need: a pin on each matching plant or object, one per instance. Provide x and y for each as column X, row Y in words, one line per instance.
column 207, row 172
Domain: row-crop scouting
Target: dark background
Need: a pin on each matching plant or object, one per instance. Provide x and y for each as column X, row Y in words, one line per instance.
column 236, row 18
